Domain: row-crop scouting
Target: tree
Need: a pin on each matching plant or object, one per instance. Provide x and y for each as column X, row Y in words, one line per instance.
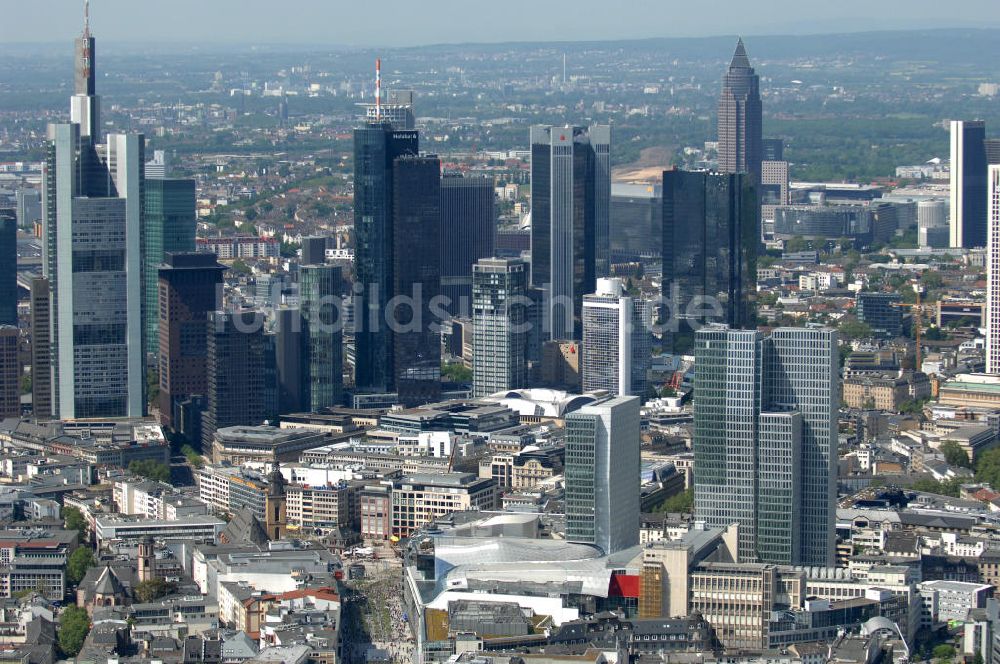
column 682, row 503
column 153, row 589
column 988, row 467
column 74, row 624
column 192, row 456
column 947, row 488
column 854, row 329
column 73, row 520
column 943, row 651
column 79, row 562
column 955, row 455
column 457, row 372
column 151, row 469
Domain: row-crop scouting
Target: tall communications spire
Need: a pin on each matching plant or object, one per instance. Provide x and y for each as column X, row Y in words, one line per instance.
column 378, row 89
column 85, row 107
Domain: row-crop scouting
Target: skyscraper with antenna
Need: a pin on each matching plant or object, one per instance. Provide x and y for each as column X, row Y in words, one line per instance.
column 92, row 257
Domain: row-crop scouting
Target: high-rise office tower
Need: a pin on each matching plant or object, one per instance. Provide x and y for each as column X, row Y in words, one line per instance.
column 322, row 342
column 570, row 219
column 10, row 372
column 602, row 474
column 313, row 251
column 189, row 287
column 416, row 274
column 880, row 312
column 968, row 184
column 616, row 346
column 468, row 233
column 773, row 189
column 993, row 274
column 376, row 146
column 41, row 359
column 289, row 359
column 235, row 352
column 773, row 149
column 992, row 147
column 710, row 239
column 92, row 257
column 740, row 118
column 170, row 228
column 727, row 405
column 802, row 375
column 765, row 440
column 29, row 207
column 8, row 268
column 500, row 317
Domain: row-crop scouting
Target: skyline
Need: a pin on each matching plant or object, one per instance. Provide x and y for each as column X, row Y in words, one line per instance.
column 315, row 23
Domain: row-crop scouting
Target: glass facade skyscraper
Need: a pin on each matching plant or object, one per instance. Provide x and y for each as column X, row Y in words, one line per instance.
column 189, row 288
column 968, row 184
column 500, row 316
column 416, row 274
column 376, row 146
column 170, row 224
column 765, row 440
column 235, row 384
column 93, row 216
column 8, row 268
column 570, row 219
column 468, row 227
column 602, row 471
column 322, row 343
column 709, row 246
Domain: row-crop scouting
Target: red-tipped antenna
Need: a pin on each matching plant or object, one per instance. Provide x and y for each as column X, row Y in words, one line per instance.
column 378, row 89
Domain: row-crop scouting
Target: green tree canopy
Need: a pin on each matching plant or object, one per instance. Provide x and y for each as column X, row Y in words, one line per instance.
column 73, row 520
column 79, row 562
column 151, row 469
column 153, row 589
column 854, row 329
column 682, row 503
column 955, row 455
column 74, row 625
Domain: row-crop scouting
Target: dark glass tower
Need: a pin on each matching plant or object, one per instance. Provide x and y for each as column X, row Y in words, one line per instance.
column 416, row 272
column 710, row 237
column 570, row 219
column 968, row 184
column 170, row 228
column 376, row 146
column 8, row 268
column 468, row 234
column 322, row 343
column 740, row 117
column 235, row 352
column 189, row 288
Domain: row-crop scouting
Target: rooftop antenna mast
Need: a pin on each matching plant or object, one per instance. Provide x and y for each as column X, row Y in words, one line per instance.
column 378, row 89
column 86, row 19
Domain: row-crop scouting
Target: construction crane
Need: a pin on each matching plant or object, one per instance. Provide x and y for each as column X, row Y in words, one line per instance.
column 917, row 310
column 451, row 457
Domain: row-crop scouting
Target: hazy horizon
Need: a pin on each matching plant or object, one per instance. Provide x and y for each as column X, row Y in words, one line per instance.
column 313, row 22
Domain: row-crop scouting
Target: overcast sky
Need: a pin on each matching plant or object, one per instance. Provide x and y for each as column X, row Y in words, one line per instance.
column 391, row 23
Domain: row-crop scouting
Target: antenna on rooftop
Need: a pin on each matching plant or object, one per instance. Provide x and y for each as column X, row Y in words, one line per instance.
column 86, row 18
column 378, row 89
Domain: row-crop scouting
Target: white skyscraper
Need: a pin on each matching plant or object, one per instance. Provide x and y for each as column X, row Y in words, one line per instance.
column 993, row 273
column 602, row 472
column 616, row 347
